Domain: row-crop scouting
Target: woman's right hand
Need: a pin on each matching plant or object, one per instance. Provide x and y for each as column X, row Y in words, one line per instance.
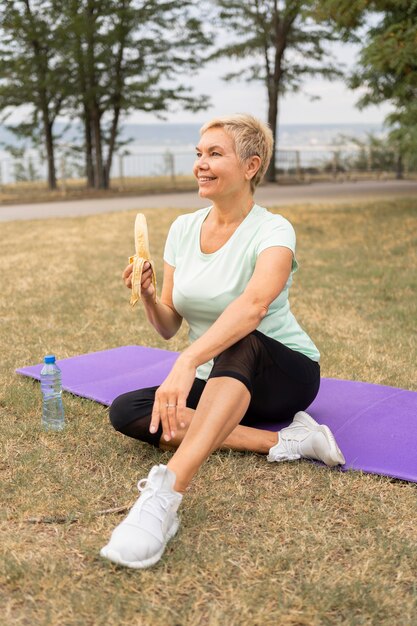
column 147, row 288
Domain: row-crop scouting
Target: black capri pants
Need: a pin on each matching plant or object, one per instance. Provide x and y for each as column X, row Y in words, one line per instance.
column 280, row 381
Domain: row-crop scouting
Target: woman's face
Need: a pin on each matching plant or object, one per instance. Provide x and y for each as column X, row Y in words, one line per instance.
column 217, row 167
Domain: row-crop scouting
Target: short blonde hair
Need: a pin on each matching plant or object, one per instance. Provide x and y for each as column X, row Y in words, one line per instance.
column 251, row 138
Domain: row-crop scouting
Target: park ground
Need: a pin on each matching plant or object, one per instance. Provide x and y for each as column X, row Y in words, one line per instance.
column 260, row 544
column 268, row 195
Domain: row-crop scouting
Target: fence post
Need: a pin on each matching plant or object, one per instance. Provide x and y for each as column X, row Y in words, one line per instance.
column 63, row 174
column 297, row 164
column 399, row 174
column 369, row 160
column 334, row 164
column 171, row 166
column 121, row 169
column 406, row 167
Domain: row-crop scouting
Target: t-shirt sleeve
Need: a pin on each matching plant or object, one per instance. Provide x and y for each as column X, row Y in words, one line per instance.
column 278, row 232
column 171, row 244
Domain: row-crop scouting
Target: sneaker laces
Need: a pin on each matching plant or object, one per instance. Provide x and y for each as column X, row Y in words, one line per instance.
column 148, row 491
column 286, row 450
column 292, row 447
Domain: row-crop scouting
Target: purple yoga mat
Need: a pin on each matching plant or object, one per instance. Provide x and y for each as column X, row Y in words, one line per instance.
column 102, row 376
column 375, row 426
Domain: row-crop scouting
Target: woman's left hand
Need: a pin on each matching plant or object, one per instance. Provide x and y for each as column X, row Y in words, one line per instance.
column 171, row 398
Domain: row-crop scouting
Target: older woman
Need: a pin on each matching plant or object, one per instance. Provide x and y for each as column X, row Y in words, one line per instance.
column 227, row 272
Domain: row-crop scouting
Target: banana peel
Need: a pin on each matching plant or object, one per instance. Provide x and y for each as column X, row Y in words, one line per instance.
column 142, row 256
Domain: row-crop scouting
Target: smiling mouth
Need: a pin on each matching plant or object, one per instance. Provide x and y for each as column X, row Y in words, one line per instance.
column 206, row 179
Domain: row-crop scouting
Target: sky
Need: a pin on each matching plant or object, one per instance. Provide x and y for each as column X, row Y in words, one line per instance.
column 336, row 104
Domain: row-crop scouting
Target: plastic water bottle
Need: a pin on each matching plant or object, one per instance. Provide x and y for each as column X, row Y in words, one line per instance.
column 52, row 408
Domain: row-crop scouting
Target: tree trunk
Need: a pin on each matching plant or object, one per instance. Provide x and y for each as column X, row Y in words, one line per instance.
column 99, row 175
column 280, row 29
column 112, row 142
column 50, row 152
column 273, row 123
column 89, row 167
column 118, row 86
column 91, row 97
column 400, row 168
column 81, row 73
column 41, row 61
column 99, row 178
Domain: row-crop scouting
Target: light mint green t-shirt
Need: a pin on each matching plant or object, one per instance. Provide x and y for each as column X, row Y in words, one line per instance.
column 204, row 284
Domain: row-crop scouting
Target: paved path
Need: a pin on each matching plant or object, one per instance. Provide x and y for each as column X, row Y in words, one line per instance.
column 267, row 195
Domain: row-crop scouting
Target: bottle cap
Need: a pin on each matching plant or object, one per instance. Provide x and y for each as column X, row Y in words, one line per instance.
column 49, row 359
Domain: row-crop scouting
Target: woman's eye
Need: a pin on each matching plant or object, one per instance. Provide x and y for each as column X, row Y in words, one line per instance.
column 200, row 154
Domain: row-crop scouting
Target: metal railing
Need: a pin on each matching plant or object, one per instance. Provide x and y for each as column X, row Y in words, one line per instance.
column 294, row 164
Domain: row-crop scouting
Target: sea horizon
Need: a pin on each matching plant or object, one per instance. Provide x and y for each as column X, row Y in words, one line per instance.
column 151, row 147
column 299, row 136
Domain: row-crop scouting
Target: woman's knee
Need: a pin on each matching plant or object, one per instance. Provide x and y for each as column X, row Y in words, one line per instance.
column 131, row 406
column 118, row 412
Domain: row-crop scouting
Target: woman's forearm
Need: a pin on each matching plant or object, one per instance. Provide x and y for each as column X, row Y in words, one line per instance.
column 163, row 318
column 239, row 319
column 244, row 314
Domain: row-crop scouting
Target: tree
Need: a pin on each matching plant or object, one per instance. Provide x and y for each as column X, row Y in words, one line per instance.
column 127, row 55
column 387, row 70
column 95, row 61
column 373, row 153
column 284, row 43
column 403, row 123
column 31, row 72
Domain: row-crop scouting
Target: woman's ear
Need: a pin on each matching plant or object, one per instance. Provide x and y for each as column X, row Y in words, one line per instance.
column 252, row 166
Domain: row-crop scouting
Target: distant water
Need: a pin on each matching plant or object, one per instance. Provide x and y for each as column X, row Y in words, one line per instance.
column 161, row 136
column 149, row 144
column 290, row 136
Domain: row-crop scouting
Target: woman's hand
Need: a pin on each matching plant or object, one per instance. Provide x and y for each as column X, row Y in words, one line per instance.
column 171, row 397
column 147, row 288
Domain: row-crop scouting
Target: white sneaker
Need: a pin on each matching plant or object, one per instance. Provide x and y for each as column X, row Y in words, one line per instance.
column 140, row 539
column 305, row 438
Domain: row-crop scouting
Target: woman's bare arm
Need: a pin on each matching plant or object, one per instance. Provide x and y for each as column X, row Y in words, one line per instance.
column 244, row 314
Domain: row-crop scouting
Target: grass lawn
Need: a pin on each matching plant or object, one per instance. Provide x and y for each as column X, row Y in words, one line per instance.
column 37, row 191
column 260, row 544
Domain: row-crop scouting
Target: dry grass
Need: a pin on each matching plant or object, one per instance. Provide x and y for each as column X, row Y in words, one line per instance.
column 75, row 189
column 260, row 544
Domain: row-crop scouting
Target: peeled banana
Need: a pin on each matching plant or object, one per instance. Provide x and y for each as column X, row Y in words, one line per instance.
column 139, row 259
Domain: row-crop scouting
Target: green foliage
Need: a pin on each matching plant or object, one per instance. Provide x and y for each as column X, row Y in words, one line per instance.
column 403, row 123
column 31, row 71
column 345, row 15
column 372, row 153
column 387, row 69
column 96, row 60
column 283, row 41
column 126, row 56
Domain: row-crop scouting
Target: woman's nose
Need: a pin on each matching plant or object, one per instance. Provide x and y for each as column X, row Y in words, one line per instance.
column 201, row 162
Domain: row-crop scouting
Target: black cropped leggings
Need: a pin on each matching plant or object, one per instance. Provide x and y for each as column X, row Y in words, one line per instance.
column 280, row 381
